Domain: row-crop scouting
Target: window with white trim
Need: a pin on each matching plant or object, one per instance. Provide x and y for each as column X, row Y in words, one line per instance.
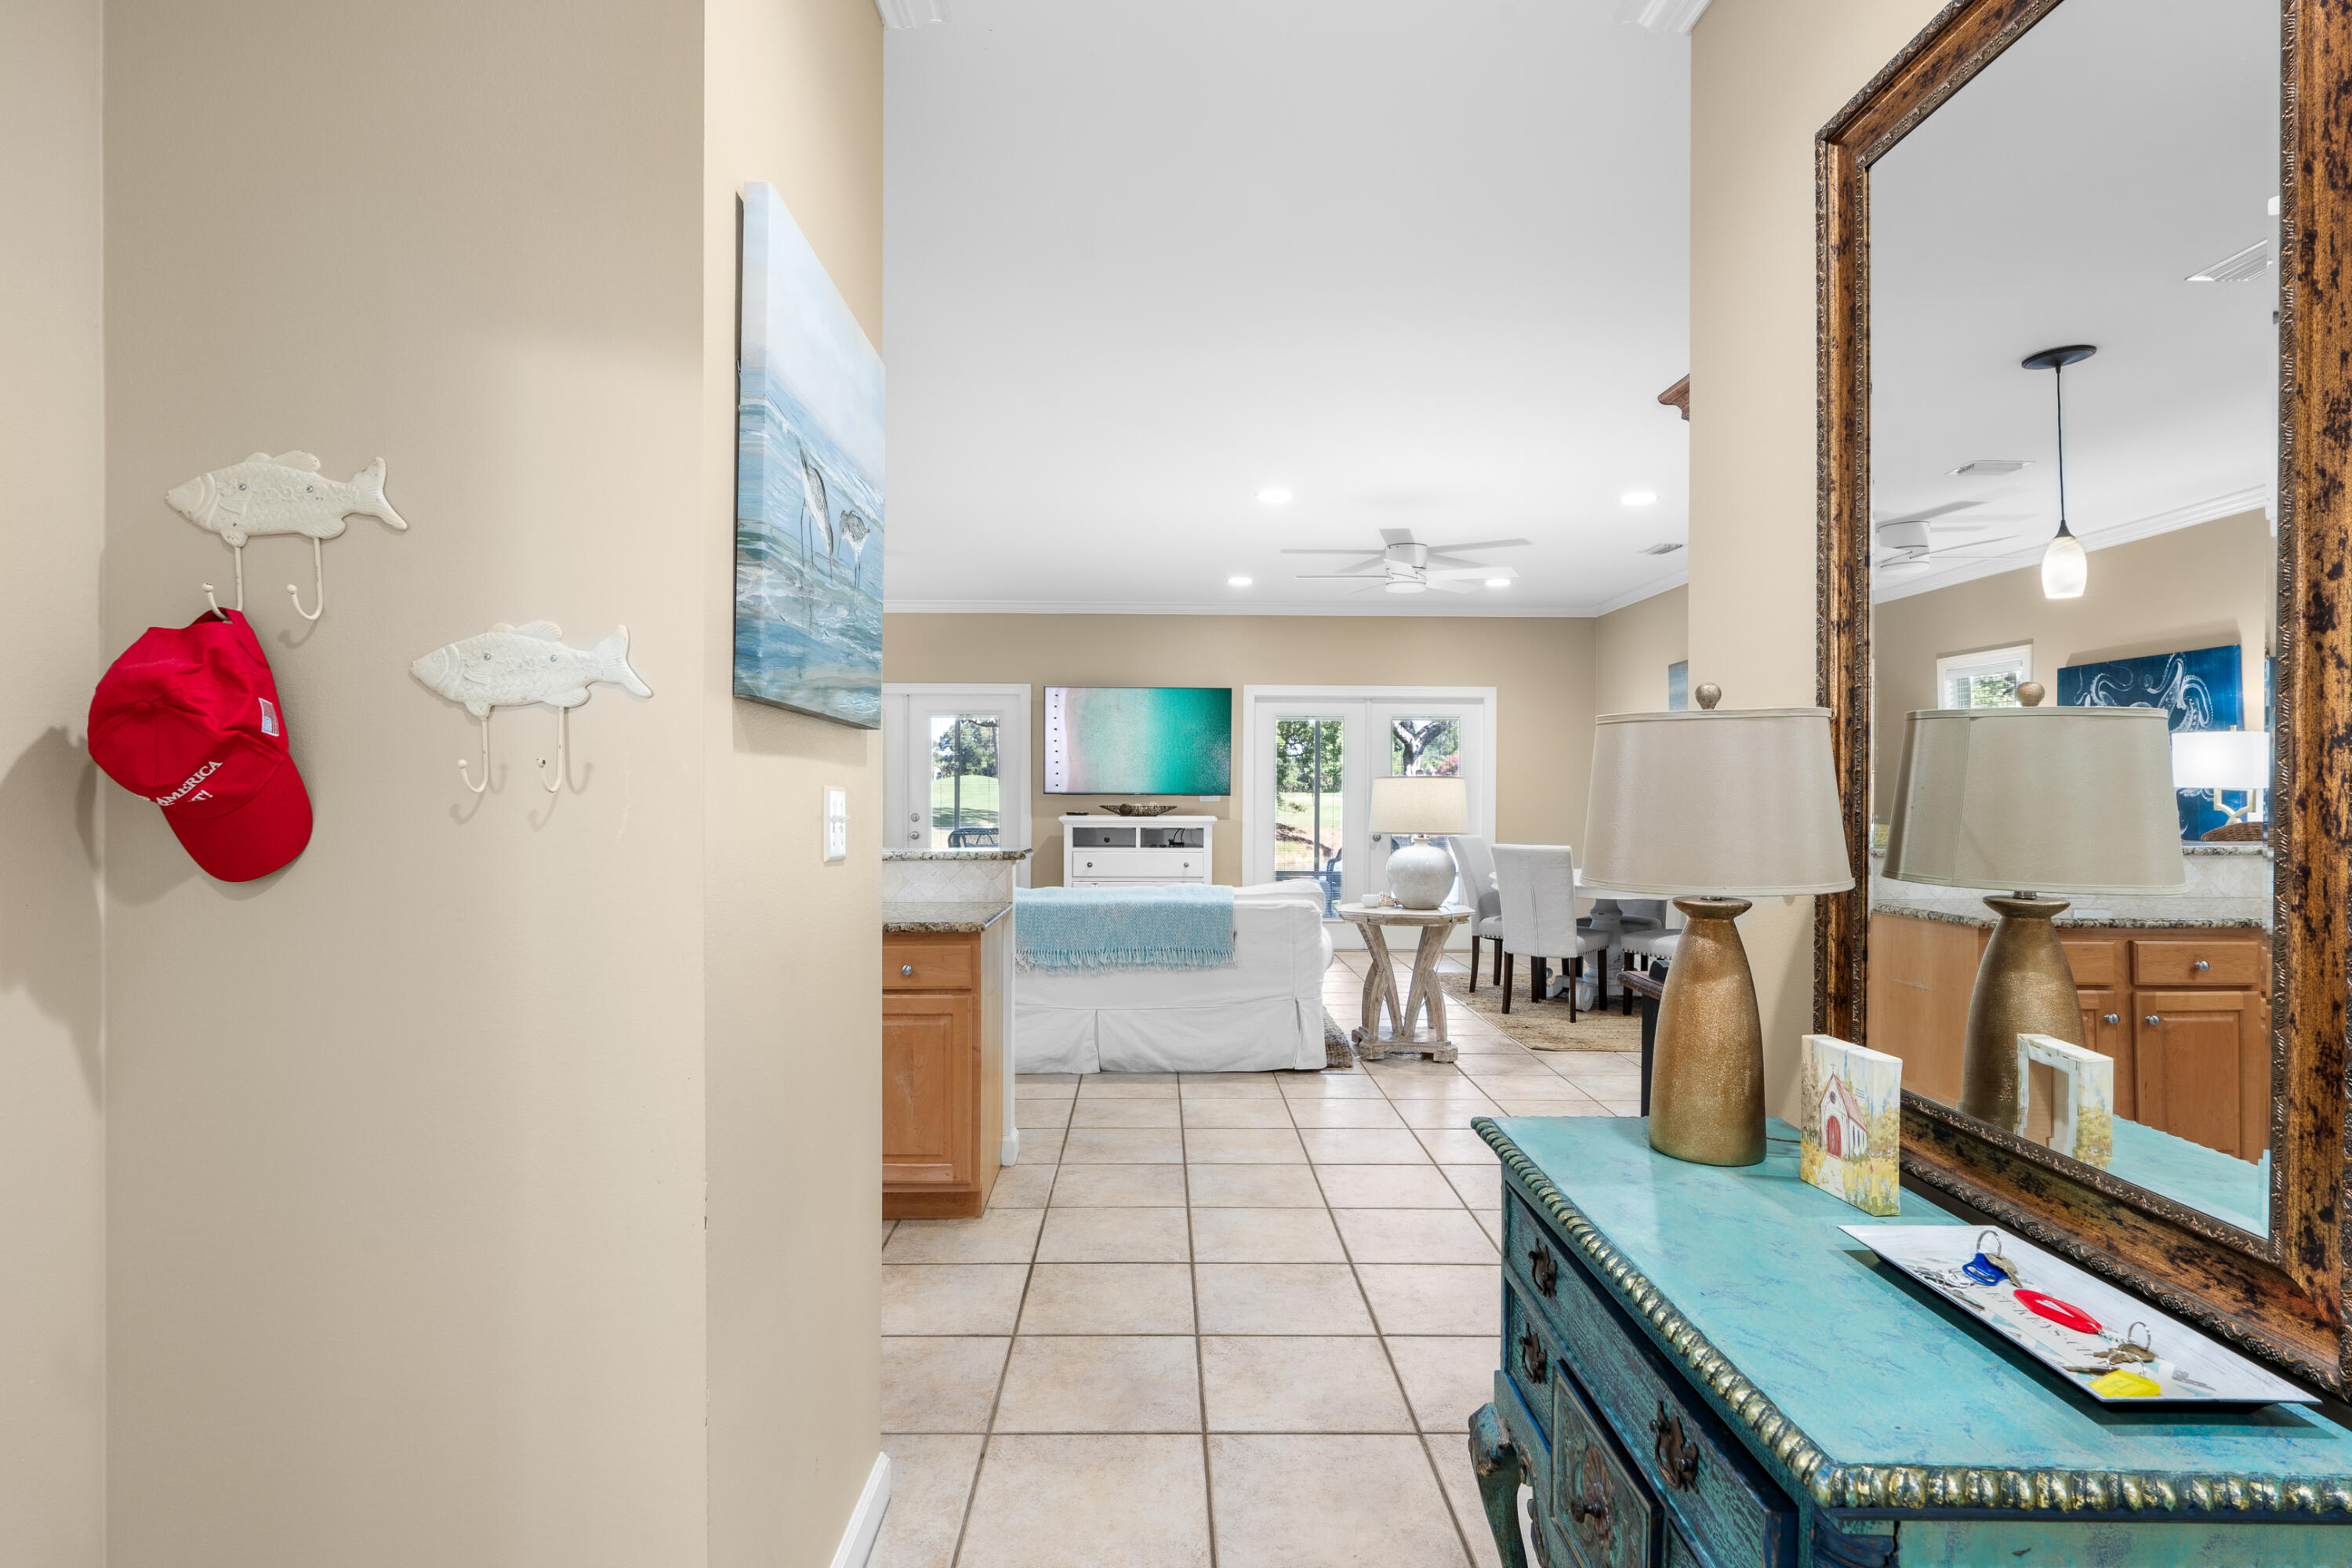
column 1985, row 680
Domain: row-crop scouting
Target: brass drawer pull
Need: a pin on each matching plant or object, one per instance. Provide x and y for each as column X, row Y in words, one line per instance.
column 1532, row 1358
column 1588, row 1509
column 1678, row 1455
column 1544, row 1267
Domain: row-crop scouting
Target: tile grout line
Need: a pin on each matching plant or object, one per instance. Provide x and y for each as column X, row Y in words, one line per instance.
column 1199, row 1366
column 1421, row 1438
column 988, row 1436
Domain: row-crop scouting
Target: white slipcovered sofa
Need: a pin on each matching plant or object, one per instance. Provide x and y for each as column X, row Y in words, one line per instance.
column 1264, row 1011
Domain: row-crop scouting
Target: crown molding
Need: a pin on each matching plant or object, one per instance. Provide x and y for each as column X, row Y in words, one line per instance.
column 898, row 14
column 1662, row 15
column 1077, row 607
column 2254, row 497
column 1650, row 590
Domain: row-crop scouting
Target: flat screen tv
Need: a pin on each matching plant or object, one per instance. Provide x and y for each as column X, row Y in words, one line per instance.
column 1139, row 740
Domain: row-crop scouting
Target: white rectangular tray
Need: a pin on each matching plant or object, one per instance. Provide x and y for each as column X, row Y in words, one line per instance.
column 2041, row 1312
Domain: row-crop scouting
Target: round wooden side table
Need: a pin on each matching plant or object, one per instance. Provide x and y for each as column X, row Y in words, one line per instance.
column 1379, row 981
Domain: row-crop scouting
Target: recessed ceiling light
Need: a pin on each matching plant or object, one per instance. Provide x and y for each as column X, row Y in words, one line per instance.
column 1498, row 582
column 1238, row 582
column 1274, row 495
column 1639, row 497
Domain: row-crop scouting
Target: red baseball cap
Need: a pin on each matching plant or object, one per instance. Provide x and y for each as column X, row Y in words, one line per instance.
column 190, row 719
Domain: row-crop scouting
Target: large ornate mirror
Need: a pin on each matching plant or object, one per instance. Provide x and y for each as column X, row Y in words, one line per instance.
column 2074, row 253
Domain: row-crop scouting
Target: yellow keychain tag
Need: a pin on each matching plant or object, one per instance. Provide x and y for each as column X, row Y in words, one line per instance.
column 2122, row 1385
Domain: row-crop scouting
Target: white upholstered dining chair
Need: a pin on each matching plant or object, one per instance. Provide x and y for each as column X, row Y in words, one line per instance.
column 1474, row 861
column 1642, row 938
column 1537, row 884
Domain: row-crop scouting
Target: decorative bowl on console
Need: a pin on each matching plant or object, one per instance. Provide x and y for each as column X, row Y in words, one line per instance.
column 1129, row 808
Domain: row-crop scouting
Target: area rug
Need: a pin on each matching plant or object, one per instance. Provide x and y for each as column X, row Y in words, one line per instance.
column 1337, row 1050
column 1544, row 1026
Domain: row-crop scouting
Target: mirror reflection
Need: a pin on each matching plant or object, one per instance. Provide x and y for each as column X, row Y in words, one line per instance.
column 2073, row 342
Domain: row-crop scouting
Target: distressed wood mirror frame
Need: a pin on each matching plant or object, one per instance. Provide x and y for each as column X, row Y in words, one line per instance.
column 2283, row 1296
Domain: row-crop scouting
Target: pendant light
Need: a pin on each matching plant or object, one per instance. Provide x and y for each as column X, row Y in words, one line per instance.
column 2065, row 568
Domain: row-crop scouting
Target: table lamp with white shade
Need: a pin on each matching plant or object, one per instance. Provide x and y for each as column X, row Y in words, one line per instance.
column 2224, row 759
column 2056, row 800
column 1713, row 808
column 1421, row 807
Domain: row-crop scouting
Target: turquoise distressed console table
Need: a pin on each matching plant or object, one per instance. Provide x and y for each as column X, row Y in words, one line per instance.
column 1699, row 1370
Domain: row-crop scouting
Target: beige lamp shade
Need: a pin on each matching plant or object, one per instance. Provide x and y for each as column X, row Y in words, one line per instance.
column 1420, row 803
column 2044, row 800
column 1738, row 803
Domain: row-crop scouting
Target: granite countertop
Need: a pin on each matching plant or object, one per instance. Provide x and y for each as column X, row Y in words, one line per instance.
column 943, row 917
column 2180, row 914
column 955, row 854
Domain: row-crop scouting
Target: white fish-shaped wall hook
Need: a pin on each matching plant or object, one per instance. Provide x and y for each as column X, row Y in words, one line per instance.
column 509, row 666
column 284, row 494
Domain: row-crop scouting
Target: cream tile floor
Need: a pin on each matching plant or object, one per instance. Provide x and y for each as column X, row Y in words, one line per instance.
column 1238, row 1319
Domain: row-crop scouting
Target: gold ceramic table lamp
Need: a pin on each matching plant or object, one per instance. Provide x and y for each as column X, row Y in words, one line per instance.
column 2056, row 800
column 1732, row 806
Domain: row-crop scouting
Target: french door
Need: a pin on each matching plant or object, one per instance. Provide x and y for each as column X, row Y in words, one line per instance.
column 957, row 768
column 1311, row 754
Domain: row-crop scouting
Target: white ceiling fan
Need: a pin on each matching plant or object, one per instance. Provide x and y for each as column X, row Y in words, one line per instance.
column 1402, row 565
column 1907, row 544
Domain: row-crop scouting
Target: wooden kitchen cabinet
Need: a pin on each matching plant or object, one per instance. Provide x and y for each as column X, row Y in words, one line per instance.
column 2203, row 1067
column 2106, row 1030
column 942, row 1064
column 2184, row 1012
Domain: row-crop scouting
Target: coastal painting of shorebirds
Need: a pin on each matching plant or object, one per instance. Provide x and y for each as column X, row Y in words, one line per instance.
column 808, row 483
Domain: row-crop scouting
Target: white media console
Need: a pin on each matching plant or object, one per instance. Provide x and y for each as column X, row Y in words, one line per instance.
column 1100, row 851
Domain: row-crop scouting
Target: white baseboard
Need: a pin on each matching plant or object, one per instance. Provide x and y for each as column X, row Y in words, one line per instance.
column 1009, row 1151
column 866, row 1520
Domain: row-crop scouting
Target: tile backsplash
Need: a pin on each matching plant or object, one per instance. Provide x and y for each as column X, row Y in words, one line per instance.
column 947, row 881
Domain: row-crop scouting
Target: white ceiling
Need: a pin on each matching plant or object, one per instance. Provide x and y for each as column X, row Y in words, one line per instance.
column 2064, row 196
column 1425, row 263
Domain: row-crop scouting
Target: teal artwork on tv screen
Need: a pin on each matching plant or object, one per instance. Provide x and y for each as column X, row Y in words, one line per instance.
column 1139, row 740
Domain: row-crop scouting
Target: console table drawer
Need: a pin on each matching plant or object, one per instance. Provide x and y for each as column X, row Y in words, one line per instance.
column 1733, row 1513
column 1528, row 1356
column 1598, row 1505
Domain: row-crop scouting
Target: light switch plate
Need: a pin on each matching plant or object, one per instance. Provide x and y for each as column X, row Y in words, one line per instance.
column 836, row 825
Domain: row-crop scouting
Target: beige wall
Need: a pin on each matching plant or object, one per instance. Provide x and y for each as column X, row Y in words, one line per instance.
column 793, row 947
column 2205, row 586
column 1633, row 647
column 1765, row 76
column 52, row 444
column 413, row 1145
column 1541, row 670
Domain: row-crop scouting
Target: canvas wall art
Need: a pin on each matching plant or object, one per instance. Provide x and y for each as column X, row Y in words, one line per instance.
column 808, row 483
column 2202, row 689
column 1852, row 1099
column 2076, row 1089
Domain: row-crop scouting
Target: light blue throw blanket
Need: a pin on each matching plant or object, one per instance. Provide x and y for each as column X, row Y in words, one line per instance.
column 1077, row 928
